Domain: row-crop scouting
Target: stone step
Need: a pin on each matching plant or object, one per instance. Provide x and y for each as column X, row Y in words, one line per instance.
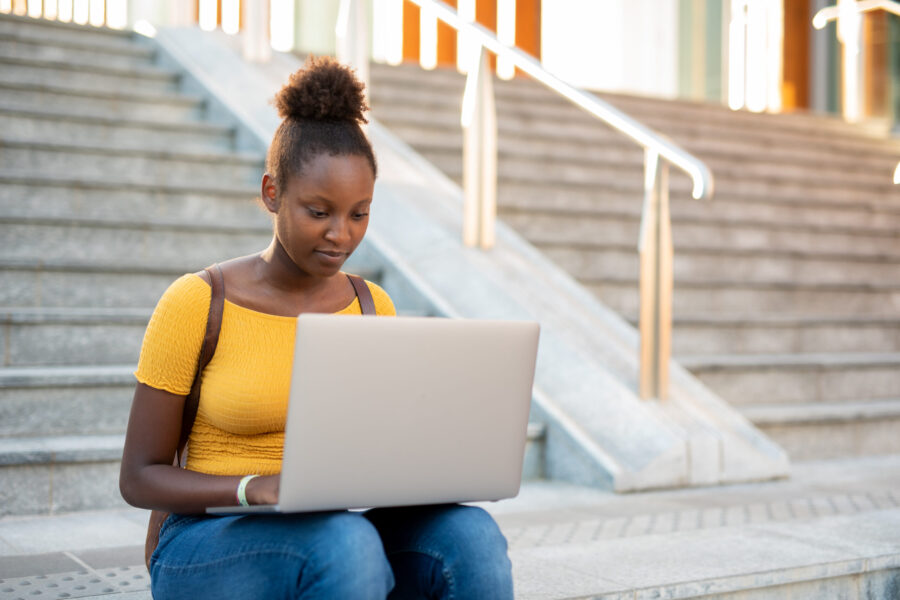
column 77, row 198
column 26, row 45
column 442, row 90
column 79, row 472
column 67, row 283
column 92, row 79
column 621, row 177
column 84, row 336
column 124, row 244
column 584, row 232
column 60, row 473
column 798, row 378
column 65, row 400
column 758, row 334
column 68, row 33
column 205, row 168
column 560, row 198
column 824, row 431
column 156, row 107
column 730, row 296
column 601, row 260
column 48, row 127
column 517, row 120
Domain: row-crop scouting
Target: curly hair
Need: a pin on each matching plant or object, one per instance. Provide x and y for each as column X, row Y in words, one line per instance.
column 322, row 108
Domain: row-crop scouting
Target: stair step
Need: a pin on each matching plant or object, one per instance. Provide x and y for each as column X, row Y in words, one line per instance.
column 600, row 261
column 756, row 334
column 826, row 431
column 602, row 178
column 40, row 48
column 529, row 123
column 68, row 33
column 92, row 79
column 127, row 166
column 735, row 295
column 43, row 283
column 58, row 474
column 584, row 232
column 124, row 244
column 65, row 400
column 78, row 198
column 71, row 336
column 798, row 378
column 49, row 127
column 755, row 208
column 157, row 107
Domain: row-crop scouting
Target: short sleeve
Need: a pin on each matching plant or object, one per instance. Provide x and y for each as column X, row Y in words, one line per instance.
column 384, row 306
column 174, row 335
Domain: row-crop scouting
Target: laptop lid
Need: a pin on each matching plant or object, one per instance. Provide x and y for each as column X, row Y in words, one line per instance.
column 406, row 410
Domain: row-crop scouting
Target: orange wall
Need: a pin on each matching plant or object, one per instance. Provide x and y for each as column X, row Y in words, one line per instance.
column 528, row 28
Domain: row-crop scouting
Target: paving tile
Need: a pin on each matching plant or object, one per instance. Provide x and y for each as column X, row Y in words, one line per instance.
column 104, row 558
column 71, row 531
column 39, row 564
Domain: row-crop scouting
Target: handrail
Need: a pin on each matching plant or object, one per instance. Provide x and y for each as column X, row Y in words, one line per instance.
column 644, row 136
column 830, row 13
column 480, row 174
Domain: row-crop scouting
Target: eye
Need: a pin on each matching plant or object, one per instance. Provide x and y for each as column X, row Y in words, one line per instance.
column 360, row 215
column 317, row 214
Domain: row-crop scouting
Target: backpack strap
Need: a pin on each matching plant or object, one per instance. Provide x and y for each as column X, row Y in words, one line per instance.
column 366, row 302
column 207, row 349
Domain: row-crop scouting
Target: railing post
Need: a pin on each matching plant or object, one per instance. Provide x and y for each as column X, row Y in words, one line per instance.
column 656, row 252
column 479, row 122
column 352, row 33
column 255, row 31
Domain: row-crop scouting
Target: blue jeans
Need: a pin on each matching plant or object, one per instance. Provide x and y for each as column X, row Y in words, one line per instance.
column 446, row 551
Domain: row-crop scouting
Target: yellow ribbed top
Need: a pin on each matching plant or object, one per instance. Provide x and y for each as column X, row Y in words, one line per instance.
column 240, row 422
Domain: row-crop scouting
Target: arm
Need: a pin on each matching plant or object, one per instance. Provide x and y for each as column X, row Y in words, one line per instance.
column 149, row 480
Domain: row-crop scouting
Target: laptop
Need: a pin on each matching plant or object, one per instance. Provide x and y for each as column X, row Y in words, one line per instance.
column 403, row 411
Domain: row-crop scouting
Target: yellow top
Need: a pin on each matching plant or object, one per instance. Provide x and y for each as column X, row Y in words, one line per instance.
column 240, row 422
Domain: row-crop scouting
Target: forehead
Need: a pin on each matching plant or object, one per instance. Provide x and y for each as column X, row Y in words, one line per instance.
column 335, row 178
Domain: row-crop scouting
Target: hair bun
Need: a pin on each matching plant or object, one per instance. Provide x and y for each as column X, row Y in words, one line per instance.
column 323, row 90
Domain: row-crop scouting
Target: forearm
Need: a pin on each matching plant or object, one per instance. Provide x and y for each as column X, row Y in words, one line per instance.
column 169, row 488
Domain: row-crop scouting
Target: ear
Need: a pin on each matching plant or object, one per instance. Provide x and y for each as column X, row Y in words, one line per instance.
column 269, row 193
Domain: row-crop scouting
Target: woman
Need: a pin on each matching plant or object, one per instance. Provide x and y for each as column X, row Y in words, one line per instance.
column 320, row 175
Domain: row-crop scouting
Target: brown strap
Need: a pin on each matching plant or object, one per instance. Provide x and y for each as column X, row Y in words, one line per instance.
column 210, row 341
column 366, row 302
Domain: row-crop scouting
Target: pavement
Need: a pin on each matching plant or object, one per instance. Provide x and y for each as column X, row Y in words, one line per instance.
column 830, row 531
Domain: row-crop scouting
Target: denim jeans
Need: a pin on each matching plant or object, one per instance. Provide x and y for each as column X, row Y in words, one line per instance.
column 446, row 551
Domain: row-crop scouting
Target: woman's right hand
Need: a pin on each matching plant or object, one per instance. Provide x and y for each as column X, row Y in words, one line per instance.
column 263, row 489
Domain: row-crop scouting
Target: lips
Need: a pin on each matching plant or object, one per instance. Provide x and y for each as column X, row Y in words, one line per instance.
column 332, row 257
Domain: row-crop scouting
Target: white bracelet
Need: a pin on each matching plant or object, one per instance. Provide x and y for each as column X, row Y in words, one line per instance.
column 242, row 490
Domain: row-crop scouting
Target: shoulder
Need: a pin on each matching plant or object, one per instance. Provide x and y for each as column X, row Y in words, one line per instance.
column 188, row 291
column 383, row 303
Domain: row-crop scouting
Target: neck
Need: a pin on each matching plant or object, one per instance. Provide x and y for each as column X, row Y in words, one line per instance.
column 277, row 269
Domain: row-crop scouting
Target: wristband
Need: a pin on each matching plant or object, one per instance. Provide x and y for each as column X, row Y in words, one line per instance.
column 242, row 490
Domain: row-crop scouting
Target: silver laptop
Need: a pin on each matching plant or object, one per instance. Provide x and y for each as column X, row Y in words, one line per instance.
column 404, row 410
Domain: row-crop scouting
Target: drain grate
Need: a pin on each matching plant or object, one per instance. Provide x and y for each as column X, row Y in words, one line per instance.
column 78, row 584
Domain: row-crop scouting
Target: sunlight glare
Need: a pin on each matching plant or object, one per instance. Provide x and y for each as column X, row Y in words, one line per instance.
column 281, row 25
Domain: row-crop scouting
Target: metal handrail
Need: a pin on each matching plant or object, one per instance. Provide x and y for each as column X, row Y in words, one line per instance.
column 845, row 9
column 642, row 135
column 479, row 175
column 831, row 13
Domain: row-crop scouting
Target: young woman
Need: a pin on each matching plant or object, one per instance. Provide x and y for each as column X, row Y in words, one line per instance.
column 320, row 175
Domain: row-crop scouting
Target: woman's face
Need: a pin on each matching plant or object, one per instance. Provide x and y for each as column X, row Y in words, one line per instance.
column 321, row 216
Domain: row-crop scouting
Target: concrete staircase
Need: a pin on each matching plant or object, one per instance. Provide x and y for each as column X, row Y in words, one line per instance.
column 113, row 182
column 787, row 285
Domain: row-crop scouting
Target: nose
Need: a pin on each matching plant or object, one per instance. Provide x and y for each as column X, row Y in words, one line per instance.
column 338, row 232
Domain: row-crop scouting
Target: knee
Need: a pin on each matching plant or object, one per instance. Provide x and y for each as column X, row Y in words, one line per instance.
column 474, row 551
column 347, row 558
